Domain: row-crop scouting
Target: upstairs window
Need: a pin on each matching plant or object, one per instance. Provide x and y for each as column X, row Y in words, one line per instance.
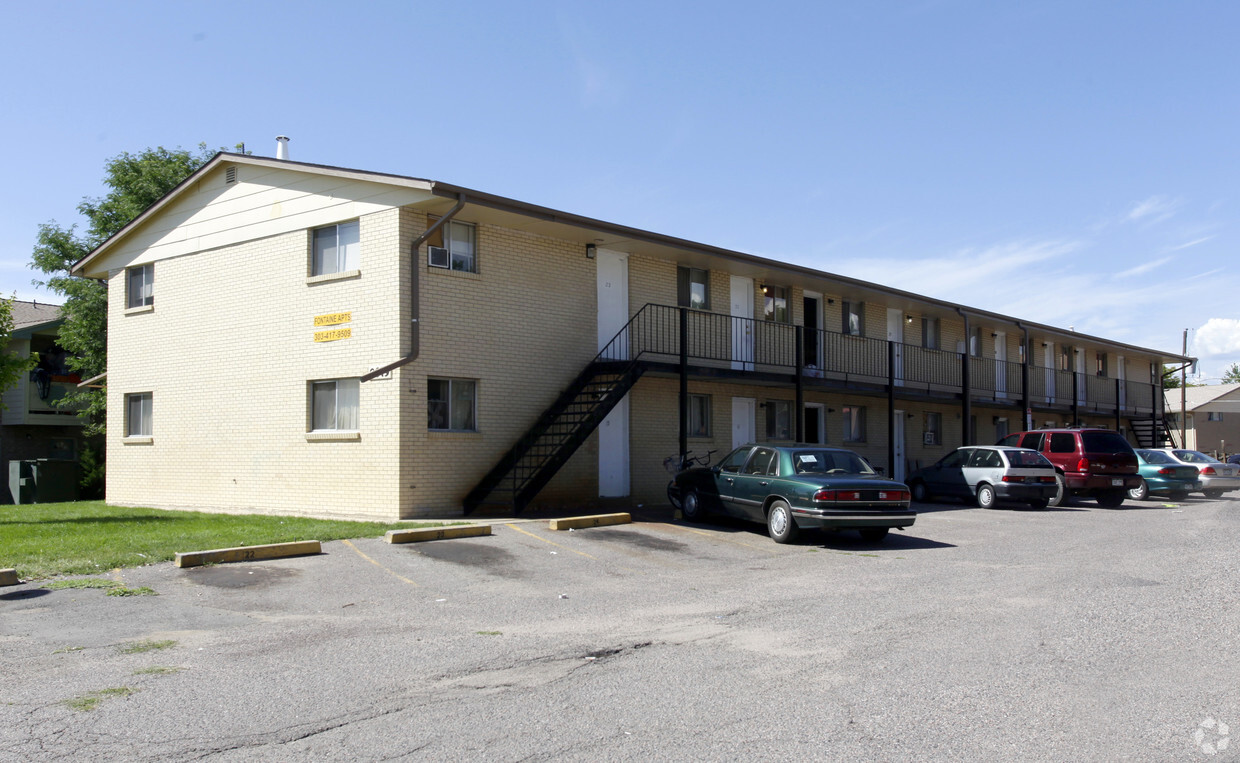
column 699, row 416
column 776, row 304
column 975, row 342
column 337, row 249
column 140, row 286
column 1214, row 415
column 930, row 333
column 693, row 288
column 454, row 247
column 854, row 318
column 334, row 405
column 1100, row 364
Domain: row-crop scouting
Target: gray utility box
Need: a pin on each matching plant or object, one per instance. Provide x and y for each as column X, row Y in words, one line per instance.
column 43, row 480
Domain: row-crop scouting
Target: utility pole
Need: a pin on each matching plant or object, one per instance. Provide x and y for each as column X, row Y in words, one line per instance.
column 1184, row 395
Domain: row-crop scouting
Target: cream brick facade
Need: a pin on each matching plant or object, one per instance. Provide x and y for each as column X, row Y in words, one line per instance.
column 228, row 350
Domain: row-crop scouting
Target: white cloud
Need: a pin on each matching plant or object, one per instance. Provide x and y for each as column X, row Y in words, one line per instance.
column 1144, row 268
column 1152, row 210
column 1219, row 336
column 1194, row 242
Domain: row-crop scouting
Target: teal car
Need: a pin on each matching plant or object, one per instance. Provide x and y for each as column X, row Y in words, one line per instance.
column 795, row 487
column 1163, row 475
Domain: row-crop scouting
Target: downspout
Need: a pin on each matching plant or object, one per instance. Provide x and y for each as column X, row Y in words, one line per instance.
column 415, row 344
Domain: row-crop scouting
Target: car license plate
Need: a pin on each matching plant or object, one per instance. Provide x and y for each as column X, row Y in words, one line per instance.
column 1031, row 480
column 1117, row 482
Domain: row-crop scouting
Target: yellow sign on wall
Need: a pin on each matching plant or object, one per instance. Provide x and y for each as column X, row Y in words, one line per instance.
column 333, row 319
column 332, row 335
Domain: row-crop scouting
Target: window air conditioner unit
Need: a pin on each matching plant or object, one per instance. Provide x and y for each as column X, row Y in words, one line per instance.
column 929, row 438
column 439, row 257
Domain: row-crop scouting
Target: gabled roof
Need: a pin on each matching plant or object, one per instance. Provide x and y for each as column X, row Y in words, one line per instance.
column 615, row 233
column 30, row 315
column 1200, row 397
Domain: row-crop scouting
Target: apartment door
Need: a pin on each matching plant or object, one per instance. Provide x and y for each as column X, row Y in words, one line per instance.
column 613, row 315
column 895, row 333
column 1000, row 364
column 1048, row 361
column 815, row 424
column 812, row 310
column 897, row 434
column 1080, row 376
column 744, row 412
column 742, row 324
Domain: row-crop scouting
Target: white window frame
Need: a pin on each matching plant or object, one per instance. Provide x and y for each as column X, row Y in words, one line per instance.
column 451, row 412
column 145, row 277
column 142, row 426
column 346, row 258
column 854, row 423
column 930, row 333
column 933, row 431
column 460, row 261
column 849, row 310
column 344, row 396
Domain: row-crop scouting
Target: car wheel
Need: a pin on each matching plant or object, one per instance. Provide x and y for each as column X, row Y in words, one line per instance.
column 1213, row 494
column 1061, row 491
column 920, row 494
column 1111, row 499
column 985, row 496
column 673, row 495
column 874, row 534
column 691, row 506
column 1140, row 492
column 1180, row 495
column 779, row 522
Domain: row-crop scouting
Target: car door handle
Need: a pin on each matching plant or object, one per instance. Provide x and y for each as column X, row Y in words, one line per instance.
column 763, row 484
column 730, row 480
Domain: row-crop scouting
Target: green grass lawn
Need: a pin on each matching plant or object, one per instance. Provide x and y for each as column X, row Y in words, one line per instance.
column 86, row 537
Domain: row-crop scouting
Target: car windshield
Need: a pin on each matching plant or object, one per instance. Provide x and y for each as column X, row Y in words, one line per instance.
column 1194, row 457
column 829, row 462
column 1104, row 442
column 1026, row 458
column 1155, row 457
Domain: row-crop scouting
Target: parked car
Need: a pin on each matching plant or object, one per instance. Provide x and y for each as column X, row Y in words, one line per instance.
column 1097, row 463
column 987, row 474
column 796, row 487
column 1163, row 475
column 1216, row 477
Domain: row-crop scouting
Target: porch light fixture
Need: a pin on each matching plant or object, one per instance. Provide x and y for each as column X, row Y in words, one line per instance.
column 591, row 251
column 908, row 319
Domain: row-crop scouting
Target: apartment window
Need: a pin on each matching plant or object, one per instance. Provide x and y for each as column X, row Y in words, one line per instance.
column 333, row 404
column 975, row 342
column 930, row 333
column 693, row 288
column 140, row 286
column 1100, row 363
column 776, row 304
column 933, row 428
column 1065, row 358
column 337, row 249
column 854, row 318
column 699, row 415
column 138, row 415
column 854, row 423
column 454, row 246
column 451, row 404
column 778, row 420
column 1214, row 415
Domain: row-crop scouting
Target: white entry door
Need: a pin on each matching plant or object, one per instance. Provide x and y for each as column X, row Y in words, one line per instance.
column 1000, row 364
column 742, row 324
column 897, row 469
column 895, row 333
column 744, row 411
column 1048, row 360
column 613, row 315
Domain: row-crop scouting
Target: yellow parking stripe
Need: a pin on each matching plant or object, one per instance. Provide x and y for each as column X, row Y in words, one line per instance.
column 553, row 543
column 715, row 536
column 357, row 551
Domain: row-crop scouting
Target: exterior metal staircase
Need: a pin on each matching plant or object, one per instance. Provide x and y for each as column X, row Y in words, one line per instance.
column 530, row 464
column 1152, row 433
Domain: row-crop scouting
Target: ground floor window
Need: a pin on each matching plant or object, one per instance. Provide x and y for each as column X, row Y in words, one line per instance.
column 334, row 404
column 778, row 420
column 699, row 415
column 854, row 423
column 138, row 415
column 933, row 429
column 451, row 405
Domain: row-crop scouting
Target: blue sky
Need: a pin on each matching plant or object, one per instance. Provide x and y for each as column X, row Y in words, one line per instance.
column 1071, row 163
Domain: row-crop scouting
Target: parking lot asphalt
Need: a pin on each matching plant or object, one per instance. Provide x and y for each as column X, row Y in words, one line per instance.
column 1080, row 633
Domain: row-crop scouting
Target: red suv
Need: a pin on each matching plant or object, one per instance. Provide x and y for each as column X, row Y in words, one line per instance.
column 1094, row 462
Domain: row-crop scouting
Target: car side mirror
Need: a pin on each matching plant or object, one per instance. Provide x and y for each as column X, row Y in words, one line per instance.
column 716, row 470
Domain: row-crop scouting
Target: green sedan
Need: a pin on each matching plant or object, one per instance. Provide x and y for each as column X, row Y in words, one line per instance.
column 1163, row 475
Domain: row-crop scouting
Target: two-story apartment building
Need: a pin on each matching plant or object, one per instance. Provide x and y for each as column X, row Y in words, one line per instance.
column 288, row 337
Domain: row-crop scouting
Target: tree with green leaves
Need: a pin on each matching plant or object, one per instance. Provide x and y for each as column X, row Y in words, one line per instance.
column 135, row 182
column 1232, row 374
column 12, row 365
column 1171, row 378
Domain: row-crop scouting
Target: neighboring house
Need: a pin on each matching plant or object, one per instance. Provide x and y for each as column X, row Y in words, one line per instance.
column 1212, row 424
column 294, row 338
column 32, row 425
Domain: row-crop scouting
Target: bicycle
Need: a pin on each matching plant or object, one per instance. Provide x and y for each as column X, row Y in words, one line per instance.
column 675, row 465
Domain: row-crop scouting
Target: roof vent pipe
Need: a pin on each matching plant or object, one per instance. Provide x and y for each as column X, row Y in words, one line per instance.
column 281, row 147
